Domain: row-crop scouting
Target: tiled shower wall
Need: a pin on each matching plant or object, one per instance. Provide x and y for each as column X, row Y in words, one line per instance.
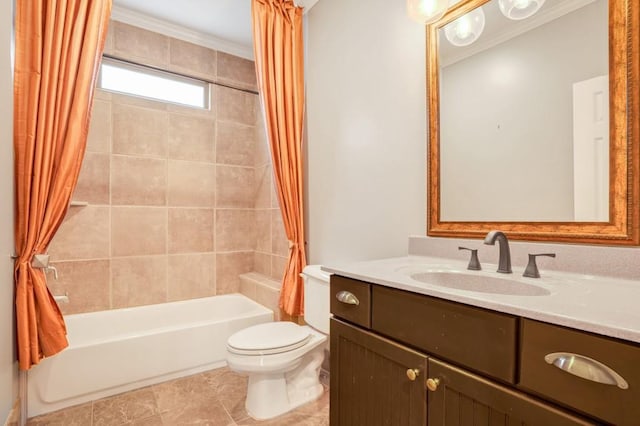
column 180, row 200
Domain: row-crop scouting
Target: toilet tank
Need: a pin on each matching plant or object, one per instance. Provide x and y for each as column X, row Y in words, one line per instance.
column 316, row 298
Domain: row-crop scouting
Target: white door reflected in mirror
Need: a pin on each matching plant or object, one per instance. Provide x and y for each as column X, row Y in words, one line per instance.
column 591, row 149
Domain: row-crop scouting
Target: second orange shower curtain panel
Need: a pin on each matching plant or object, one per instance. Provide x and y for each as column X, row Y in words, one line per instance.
column 278, row 47
column 59, row 45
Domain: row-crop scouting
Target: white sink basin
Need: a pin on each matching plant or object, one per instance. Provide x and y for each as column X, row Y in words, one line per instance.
column 478, row 283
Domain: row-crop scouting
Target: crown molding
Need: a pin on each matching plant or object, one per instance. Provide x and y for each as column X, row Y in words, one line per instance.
column 306, row 4
column 131, row 17
column 529, row 24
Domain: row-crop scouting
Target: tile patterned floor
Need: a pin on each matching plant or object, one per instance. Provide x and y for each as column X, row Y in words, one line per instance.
column 213, row 398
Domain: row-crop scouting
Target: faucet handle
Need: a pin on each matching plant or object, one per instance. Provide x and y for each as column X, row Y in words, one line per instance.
column 531, row 270
column 474, row 263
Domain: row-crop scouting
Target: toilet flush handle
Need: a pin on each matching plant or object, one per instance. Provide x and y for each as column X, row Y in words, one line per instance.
column 347, row 297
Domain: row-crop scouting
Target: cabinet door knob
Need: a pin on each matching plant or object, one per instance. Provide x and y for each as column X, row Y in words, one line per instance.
column 432, row 384
column 347, row 297
column 412, row 373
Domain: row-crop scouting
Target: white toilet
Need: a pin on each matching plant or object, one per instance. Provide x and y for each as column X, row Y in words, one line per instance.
column 283, row 359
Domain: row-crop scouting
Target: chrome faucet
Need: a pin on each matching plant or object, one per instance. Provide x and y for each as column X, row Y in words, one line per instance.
column 504, row 263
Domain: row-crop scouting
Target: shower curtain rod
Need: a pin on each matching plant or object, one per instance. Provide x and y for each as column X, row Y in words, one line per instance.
column 206, row 80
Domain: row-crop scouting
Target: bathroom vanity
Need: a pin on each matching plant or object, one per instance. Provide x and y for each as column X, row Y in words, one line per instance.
column 420, row 340
column 407, row 352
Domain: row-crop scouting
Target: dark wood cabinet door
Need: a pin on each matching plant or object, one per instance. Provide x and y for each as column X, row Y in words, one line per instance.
column 369, row 381
column 464, row 399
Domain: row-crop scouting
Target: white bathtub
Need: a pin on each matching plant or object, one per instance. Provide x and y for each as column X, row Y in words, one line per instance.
column 122, row 349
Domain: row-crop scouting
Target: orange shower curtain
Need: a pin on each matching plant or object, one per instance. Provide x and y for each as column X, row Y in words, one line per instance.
column 277, row 36
column 59, row 45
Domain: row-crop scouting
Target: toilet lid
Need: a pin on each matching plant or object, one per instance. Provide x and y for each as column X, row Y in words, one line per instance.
column 268, row 338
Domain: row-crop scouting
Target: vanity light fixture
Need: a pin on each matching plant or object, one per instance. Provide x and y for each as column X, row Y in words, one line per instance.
column 426, row 11
column 519, row 9
column 466, row 29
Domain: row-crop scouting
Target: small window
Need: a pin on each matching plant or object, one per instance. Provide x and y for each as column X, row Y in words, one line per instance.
column 136, row 80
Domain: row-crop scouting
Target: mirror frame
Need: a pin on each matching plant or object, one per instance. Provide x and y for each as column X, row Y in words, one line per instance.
column 624, row 173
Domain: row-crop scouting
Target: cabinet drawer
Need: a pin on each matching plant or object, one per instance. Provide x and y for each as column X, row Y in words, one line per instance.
column 482, row 340
column 605, row 401
column 351, row 300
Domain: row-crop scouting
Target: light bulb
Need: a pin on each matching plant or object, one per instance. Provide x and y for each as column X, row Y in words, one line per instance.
column 519, row 9
column 426, row 11
column 466, row 29
column 463, row 29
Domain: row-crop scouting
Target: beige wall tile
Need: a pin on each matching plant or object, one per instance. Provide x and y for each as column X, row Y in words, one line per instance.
column 279, row 242
column 275, row 202
column 263, row 153
column 138, row 231
column 143, row 46
column 138, row 181
column 139, row 281
column 248, row 287
column 278, row 264
column 102, row 95
column 235, row 230
column 137, row 101
column 270, row 298
column 235, row 105
column 139, row 131
column 99, row 138
column 191, row 276
column 190, row 230
column 198, row 60
column 108, row 43
column 235, row 144
column 93, row 182
column 84, row 234
column 262, row 263
column 263, row 187
column 228, row 267
column 192, row 184
column 205, row 113
column 263, row 230
column 191, row 138
column 234, row 69
column 85, row 282
column 235, row 186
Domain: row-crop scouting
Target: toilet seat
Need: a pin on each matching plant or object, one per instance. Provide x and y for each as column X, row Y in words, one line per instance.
column 268, row 338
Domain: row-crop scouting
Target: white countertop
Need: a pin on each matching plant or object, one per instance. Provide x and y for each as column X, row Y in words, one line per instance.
column 603, row 305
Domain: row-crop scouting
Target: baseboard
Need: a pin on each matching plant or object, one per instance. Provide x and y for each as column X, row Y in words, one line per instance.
column 14, row 415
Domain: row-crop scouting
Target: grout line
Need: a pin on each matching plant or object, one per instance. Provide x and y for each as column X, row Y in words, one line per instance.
column 110, row 232
column 166, row 227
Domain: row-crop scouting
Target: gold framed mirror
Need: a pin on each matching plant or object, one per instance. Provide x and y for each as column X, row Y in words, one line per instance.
column 617, row 220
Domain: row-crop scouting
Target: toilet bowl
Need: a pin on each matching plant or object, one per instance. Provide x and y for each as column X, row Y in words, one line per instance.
column 283, row 359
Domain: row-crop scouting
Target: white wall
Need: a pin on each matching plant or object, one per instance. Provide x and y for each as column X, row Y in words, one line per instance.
column 506, row 121
column 8, row 369
column 366, row 129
